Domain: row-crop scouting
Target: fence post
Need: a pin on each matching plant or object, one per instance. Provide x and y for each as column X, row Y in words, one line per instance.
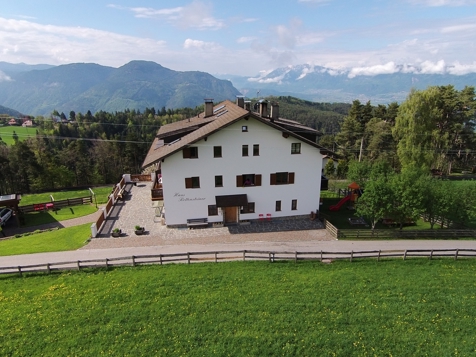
column 405, row 255
column 160, row 259
column 216, row 257
column 133, row 261
column 321, row 256
column 188, row 257
column 456, row 254
column 270, row 257
column 79, row 265
column 19, row 271
column 351, row 255
column 244, row 255
column 107, row 265
column 48, row 270
column 295, row 257
column 431, row 254
column 378, row 257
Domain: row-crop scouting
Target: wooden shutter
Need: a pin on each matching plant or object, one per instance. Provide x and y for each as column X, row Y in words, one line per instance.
column 186, row 153
column 239, row 180
column 291, row 177
column 272, row 179
column 188, row 182
column 257, row 180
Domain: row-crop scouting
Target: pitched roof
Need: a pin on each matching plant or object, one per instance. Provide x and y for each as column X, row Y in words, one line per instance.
column 224, row 114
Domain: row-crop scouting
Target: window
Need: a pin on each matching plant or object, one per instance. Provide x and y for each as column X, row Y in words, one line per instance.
column 294, row 205
column 217, row 151
column 192, row 182
column 255, row 150
column 247, row 180
column 281, row 178
column 244, row 128
column 278, row 206
column 190, row 152
column 218, row 181
column 248, row 209
column 295, row 148
column 212, row 210
column 244, row 150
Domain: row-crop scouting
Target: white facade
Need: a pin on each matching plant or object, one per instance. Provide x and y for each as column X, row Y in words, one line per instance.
column 275, row 156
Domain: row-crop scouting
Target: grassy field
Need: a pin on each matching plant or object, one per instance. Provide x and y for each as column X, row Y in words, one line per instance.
column 101, row 193
column 391, row 308
column 65, row 213
column 71, row 238
column 23, row 133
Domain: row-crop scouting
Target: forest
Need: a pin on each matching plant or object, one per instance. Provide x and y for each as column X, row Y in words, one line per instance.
column 432, row 129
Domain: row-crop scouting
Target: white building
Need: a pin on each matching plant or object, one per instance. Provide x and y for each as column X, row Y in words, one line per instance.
column 230, row 164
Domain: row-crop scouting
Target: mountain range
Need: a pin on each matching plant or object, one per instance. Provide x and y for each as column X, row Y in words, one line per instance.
column 320, row 84
column 41, row 89
column 85, row 86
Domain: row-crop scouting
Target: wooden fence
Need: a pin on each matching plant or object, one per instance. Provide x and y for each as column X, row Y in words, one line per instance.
column 55, row 204
column 218, row 256
column 396, row 233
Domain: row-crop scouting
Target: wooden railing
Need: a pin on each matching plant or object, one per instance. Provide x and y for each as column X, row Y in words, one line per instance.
column 217, row 256
column 141, row 177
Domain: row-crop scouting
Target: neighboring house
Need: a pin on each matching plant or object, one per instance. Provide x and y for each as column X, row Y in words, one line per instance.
column 325, row 160
column 27, row 123
column 231, row 164
column 12, row 122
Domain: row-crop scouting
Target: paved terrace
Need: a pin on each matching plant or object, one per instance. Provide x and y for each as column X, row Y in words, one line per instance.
column 138, row 209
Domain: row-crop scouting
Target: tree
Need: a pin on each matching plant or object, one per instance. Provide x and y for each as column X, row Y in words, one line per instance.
column 359, row 172
column 415, row 126
column 376, row 201
column 329, row 169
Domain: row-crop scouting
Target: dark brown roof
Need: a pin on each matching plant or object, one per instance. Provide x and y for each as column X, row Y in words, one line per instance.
column 225, row 113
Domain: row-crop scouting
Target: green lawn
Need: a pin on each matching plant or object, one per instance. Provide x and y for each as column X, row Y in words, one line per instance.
column 23, row 133
column 391, row 308
column 65, row 213
column 101, row 193
column 63, row 239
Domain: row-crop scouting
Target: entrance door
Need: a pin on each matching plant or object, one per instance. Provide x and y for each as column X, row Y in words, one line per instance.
column 231, row 214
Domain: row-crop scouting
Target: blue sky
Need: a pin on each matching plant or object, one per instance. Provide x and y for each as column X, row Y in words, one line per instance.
column 363, row 37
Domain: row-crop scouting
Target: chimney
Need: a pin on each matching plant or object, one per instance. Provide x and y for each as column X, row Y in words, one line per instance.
column 263, row 108
column 208, row 108
column 240, row 101
column 274, row 111
column 248, row 105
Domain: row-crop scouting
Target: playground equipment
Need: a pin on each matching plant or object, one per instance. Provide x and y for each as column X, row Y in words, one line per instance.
column 353, row 195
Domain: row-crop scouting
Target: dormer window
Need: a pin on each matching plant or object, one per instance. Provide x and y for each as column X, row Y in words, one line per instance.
column 190, row 152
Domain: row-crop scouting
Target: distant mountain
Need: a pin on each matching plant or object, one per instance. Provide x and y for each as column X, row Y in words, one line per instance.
column 11, row 68
column 85, row 86
column 10, row 112
column 320, row 84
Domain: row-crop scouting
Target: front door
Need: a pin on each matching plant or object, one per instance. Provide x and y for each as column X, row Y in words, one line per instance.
column 231, row 214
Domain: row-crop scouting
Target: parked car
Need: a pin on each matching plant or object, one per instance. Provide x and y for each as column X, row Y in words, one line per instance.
column 5, row 214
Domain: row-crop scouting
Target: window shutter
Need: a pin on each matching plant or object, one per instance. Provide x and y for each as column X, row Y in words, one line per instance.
column 291, row 177
column 188, row 182
column 272, row 179
column 257, row 180
column 239, row 181
column 186, row 153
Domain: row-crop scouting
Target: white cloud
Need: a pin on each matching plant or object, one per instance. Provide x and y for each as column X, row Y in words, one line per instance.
column 388, row 68
column 458, row 28
column 459, row 69
column 435, row 3
column 201, row 45
column 428, row 67
column 4, row 77
column 245, row 39
column 197, row 15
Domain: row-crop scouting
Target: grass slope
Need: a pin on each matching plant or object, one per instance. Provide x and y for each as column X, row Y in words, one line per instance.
column 6, row 133
column 391, row 308
column 71, row 238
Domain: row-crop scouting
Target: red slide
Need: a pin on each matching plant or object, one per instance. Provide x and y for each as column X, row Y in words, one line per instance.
column 338, row 205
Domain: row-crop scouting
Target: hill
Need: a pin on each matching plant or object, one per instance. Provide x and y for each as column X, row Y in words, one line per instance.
column 85, row 86
column 9, row 112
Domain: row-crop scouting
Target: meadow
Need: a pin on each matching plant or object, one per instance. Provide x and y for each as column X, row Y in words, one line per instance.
column 6, row 133
column 389, row 308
